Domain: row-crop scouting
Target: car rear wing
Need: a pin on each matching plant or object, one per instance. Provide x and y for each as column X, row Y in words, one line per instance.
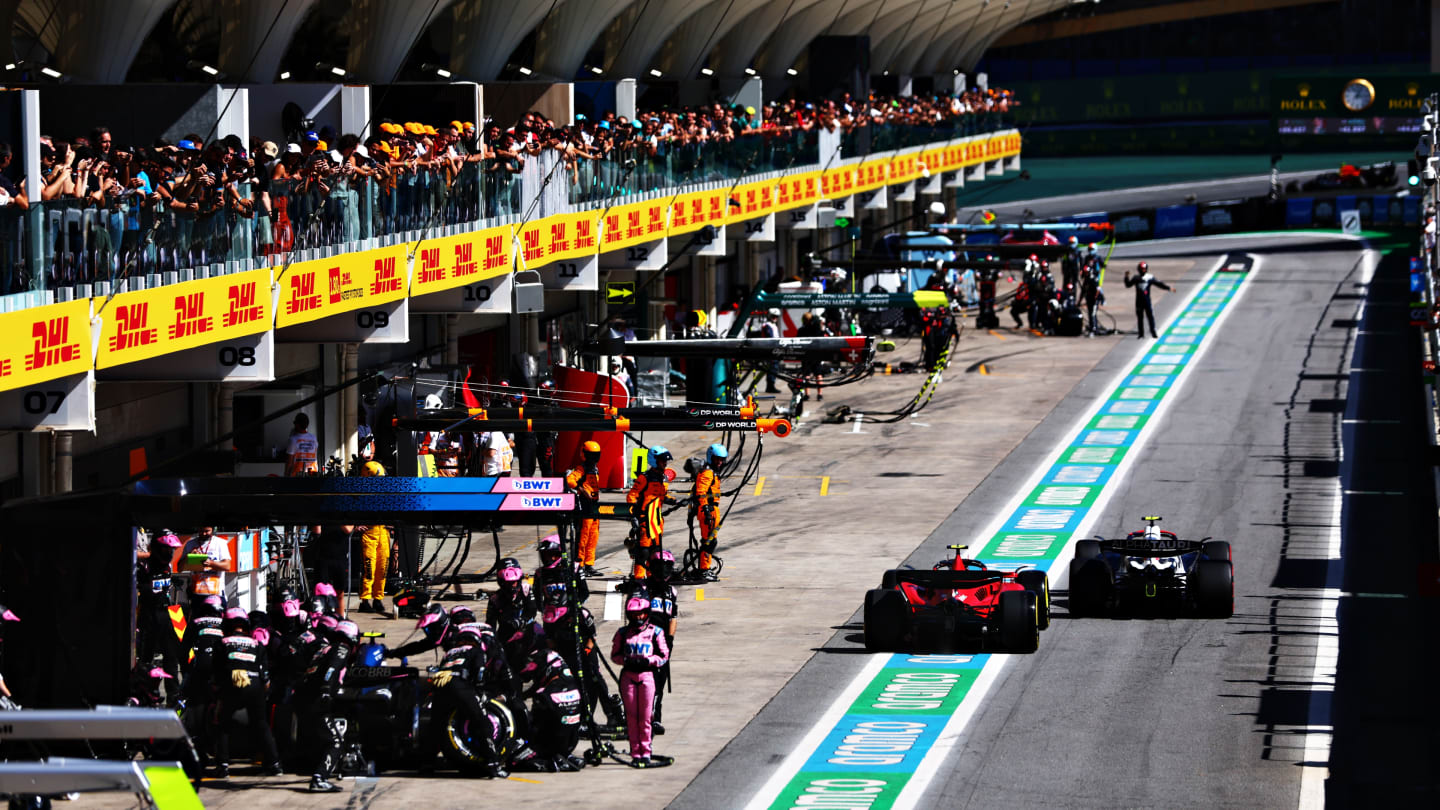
column 945, row 579
column 1148, row 547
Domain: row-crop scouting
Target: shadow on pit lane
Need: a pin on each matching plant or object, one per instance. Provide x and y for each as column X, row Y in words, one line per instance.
column 1317, row 245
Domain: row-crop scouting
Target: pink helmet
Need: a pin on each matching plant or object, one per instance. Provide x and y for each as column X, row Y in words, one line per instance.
column 636, row 604
column 262, row 635
column 237, row 613
column 168, row 539
column 291, row 608
column 324, row 589
column 160, row 674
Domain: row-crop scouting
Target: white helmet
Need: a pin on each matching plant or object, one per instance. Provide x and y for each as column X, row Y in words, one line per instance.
column 433, row 402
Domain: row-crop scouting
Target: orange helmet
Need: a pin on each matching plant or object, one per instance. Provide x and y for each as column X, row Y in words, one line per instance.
column 592, row 447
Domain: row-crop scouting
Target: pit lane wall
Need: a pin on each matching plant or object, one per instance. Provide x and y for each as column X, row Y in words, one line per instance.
column 218, row 328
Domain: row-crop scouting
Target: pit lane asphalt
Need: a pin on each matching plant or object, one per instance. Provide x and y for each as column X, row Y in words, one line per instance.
column 1177, row 711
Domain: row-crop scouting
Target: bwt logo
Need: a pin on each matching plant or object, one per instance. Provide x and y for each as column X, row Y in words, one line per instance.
column 51, row 345
column 430, row 269
column 387, row 277
column 130, row 328
column 540, row 501
column 243, row 308
column 190, row 317
column 302, row 294
column 535, row 485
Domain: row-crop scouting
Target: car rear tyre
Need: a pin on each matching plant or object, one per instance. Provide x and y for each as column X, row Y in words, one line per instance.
column 1217, row 550
column 1087, row 550
column 1038, row 583
column 1213, row 588
column 1019, row 621
column 888, row 580
column 1090, row 584
column 885, row 613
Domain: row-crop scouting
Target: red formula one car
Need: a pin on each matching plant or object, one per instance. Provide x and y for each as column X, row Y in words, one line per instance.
column 959, row 603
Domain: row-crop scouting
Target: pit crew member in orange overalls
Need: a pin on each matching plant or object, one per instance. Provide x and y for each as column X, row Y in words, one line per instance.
column 705, row 505
column 584, row 481
column 651, row 491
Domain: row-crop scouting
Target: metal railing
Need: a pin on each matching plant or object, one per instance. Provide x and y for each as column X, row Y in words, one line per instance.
column 71, row 247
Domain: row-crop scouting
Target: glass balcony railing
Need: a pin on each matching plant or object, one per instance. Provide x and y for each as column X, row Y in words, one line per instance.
column 78, row 247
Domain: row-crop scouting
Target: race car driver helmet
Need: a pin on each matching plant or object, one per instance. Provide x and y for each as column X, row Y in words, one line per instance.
column 542, row 665
column 433, row 402
column 662, row 564
column 637, row 609
column 550, row 550
column 237, row 622
column 510, row 572
column 434, row 622
column 1074, row 241
column 1142, row 268
column 716, row 455
column 658, row 457
column 372, row 469
column 592, row 452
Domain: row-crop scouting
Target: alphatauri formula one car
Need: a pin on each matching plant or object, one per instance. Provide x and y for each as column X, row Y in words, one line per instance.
column 958, row 603
column 1152, row 569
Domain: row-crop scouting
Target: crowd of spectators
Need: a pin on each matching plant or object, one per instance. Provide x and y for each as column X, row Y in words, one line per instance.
column 195, row 202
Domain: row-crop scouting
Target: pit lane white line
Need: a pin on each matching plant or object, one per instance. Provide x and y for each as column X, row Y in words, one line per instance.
column 950, row 734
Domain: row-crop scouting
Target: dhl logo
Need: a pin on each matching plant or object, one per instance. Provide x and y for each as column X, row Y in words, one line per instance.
column 51, row 346
column 495, row 257
column 243, row 307
column 387, row 277
column 559, row 242
column 190, row 319
column 131, row 328
column 430, row 269
column 584, row 234
column 656, row 222
column 302, row 294
column 633, row 226
column 530, row 245
column 613, row 233
column 465, row 264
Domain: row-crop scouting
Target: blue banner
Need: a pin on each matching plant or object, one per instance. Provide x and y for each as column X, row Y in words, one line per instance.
column 1411, row 215
column 1175, row 221
column 1380, row 209
column 1300, row 213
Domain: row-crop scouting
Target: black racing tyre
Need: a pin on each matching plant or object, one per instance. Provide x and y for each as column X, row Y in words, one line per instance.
column 464, row 747
column 1019, row 622
column 887, row 579
column 1090, row 584
column 885, row 618
column 1038, row 583
column 1087, row 550
column 1217, row 550
column 1212, row 586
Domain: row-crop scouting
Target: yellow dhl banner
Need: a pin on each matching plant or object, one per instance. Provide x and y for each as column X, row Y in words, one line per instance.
column 872, row 174
column 693, row 211
column 634, row 224
column 751, row 200
column 560, row 237
column 143, row 324
column 794, row 191
column 320, row 288
column 837, row 183
column 446, row 262
column 44, row 343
